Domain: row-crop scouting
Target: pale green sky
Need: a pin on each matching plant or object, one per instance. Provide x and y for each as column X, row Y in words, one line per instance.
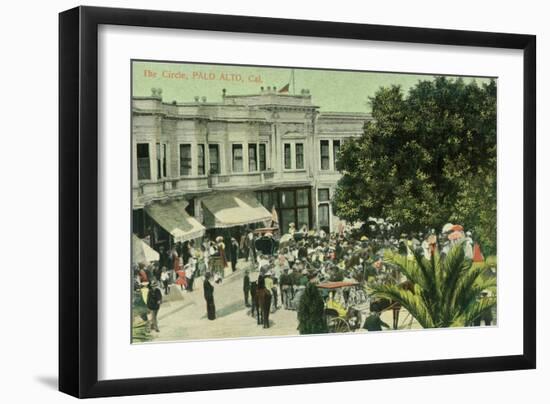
column 332, row 90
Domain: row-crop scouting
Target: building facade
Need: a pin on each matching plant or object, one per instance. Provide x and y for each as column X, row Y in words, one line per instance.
column 251, row 155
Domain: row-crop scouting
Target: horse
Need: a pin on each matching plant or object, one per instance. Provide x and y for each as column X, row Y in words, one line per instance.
column 263, row 305
column 254, row 304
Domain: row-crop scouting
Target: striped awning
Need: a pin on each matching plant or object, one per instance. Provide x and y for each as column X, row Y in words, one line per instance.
column 228, row 209
column 173, row 218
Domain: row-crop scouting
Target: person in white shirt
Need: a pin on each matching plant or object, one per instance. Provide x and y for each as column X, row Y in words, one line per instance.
column 190, row 273
column 426, row 248
column 165, row 278
column 469, row 246
column 289, row 257
column 262, row 261
column 291, row 229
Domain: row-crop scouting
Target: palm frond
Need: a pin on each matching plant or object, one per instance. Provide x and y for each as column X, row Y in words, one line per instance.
column 407, row 267
column 428, row 271
column 470, row 287
column 447, row 289
column 474, row 310
column 412, row 302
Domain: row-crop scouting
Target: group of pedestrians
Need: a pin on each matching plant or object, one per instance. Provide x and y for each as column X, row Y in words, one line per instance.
column 284, row 266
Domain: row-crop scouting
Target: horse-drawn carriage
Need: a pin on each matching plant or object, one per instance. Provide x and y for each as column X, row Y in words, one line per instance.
column 346, row 304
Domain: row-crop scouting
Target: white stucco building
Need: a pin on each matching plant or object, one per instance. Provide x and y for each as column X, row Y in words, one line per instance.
column 201, row 164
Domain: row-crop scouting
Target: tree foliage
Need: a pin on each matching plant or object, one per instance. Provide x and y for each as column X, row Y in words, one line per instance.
column 426, row 159
column 311, row 318
column 447, row 291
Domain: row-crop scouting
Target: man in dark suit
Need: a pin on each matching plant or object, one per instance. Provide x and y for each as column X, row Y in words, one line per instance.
column 209, row 297
column 154, row 299
column 286, row 288
column 246, row 287
column 234, row 253
column 374, row 322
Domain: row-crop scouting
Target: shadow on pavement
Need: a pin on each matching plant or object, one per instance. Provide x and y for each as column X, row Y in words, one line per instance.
column 227, row 310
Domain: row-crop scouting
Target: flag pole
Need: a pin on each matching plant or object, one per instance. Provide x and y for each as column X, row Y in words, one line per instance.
column 293, row 83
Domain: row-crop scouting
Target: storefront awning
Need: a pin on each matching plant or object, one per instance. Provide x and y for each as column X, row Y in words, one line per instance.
column 228, row 209
column 142, row 252
column 175, row 220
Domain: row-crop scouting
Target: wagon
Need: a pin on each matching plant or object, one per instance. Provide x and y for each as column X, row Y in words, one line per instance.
column 345, row 305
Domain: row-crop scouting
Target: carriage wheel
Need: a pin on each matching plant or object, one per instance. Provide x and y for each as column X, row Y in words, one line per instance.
column 404, row 325
column 340, row 325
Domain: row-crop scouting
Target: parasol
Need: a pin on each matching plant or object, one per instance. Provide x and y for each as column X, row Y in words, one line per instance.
column 456, row 235
column 286, row 237
column 142, row 252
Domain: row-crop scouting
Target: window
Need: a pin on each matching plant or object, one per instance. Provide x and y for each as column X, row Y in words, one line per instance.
column 299, row 155
column 263, row 164
column 190, row 208
column 288, row 164
column 335, row 151
column 237, row 158
column 324, row 217
column 323, row 195
column 143, row 163
column 287, row 199
column 302, row 197
column 200, row 159
column 164, row 160
column 159, row 167
column 214, row 157
column 267, row 198
column 291, row 205
column 161, row 160
column 185, row 159
column 325, row 159
column 303, row 217
column 252, row 158
column 288, row 216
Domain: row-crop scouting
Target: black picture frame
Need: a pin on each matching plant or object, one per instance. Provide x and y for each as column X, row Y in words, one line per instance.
column 78, row 200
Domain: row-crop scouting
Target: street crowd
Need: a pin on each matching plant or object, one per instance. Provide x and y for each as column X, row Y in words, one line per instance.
column 282, row 266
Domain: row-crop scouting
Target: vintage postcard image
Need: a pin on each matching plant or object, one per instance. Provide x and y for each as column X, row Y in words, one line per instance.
column 275, row 201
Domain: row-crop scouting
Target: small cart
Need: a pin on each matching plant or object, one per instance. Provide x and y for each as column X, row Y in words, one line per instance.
column 346, row 304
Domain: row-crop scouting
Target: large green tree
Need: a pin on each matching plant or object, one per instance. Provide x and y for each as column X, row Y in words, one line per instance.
column 426, row 159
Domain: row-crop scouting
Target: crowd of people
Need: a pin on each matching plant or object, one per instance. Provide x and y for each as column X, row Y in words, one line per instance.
column 284, row 265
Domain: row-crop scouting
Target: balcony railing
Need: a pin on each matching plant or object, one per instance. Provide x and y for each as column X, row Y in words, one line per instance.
column 146, row 191
column 239, row 179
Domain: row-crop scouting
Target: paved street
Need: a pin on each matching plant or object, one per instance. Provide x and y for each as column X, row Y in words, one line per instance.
column 186, row 319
